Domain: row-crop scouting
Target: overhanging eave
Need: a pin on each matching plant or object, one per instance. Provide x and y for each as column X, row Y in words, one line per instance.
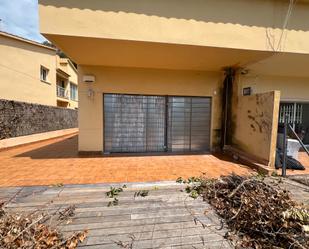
column 124, row 53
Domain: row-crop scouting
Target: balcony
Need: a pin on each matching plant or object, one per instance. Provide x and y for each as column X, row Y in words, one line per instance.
column 62, row 93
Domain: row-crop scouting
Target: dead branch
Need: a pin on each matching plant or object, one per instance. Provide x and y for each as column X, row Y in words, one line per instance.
column 259, row 215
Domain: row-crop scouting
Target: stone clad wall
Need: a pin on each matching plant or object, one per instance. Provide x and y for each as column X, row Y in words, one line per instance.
column 20, row 119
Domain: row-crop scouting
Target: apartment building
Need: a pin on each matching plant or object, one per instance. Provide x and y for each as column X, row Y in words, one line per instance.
column 32, row 72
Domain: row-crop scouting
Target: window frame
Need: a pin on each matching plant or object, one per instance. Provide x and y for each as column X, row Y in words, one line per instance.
column 73, row 86
column 42, row 70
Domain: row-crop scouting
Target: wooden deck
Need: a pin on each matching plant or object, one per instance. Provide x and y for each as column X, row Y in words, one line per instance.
column 166, row 218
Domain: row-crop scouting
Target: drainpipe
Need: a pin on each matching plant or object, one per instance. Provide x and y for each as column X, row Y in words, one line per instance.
column 227, row 106
column 284, row 145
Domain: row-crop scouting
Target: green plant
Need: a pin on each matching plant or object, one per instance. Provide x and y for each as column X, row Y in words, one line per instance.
column 261, row 175
column 180, row 180
column 142, row 193
column 194, row 194
column 114, row 193
column 113, row 202
column 274, row 174
column 193, row 185
column 190, row 180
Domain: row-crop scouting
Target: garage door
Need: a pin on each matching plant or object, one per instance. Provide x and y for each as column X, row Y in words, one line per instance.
column 188, row 124
column 135, row 123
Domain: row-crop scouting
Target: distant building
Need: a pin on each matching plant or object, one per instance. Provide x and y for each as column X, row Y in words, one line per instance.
column 66, row 79
column 32, row 72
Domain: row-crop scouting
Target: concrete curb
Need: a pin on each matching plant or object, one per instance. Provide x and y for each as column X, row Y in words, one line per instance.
column 107, row 186
column 23, row 140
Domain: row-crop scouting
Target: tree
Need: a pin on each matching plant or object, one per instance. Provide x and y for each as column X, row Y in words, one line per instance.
column 48, row 44
column 58, row 51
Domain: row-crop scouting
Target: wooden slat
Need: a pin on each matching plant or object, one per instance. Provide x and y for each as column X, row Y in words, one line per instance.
column 166, row 218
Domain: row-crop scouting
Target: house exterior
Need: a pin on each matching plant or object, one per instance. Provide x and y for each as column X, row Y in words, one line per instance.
column 66, row 83
column 29, row 72
column 22, row 64
column 173, row 75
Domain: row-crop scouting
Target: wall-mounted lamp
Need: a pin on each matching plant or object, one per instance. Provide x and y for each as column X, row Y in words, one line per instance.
column 90, row 93
column 244, row 71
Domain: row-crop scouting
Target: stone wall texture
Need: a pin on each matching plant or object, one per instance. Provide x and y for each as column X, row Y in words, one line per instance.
column 20, row 119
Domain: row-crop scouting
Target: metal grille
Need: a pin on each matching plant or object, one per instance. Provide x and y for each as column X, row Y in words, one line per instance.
column 188, row 124
column 134, row 123
column 293, row 111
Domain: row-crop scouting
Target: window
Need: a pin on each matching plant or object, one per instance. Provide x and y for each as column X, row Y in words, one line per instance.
column 73, row 91
column 44, row 74
column 297, row 115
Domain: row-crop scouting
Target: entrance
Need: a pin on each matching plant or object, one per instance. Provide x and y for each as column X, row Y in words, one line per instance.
column 143, row 123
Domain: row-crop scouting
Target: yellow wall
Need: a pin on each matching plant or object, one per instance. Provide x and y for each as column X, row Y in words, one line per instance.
column 140, row 81
column 254, row 24
column 254, row 125
column 291, row 88
column 183, row 35
column 20, row 72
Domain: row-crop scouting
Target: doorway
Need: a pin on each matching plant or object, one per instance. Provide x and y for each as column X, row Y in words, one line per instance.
column 145, row 123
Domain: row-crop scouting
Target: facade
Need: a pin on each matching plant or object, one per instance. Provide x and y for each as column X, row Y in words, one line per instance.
column 66, row 83
column 171, row 75
column 29, row 72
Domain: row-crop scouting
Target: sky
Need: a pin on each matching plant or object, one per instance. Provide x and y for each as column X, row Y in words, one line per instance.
column 20, row 17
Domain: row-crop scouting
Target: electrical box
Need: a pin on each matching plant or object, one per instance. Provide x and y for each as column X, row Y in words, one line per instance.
column 246, row 91
column 88, row 79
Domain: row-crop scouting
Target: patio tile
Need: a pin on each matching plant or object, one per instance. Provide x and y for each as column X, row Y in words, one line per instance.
column 56, row 161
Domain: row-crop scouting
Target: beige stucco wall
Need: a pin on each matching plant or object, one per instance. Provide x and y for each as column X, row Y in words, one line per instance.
column 20, row 64
column 291, row 88
column 254, row 125
column 140, row 81
column 254, row 24
column 183, row 35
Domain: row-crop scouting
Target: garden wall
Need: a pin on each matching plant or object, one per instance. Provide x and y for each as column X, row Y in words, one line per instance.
column 20, row 118
column 255, row 123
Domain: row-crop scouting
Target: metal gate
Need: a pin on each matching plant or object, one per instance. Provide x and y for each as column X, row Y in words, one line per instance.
column 188, row 124
column 137, row 123
column 134, row 123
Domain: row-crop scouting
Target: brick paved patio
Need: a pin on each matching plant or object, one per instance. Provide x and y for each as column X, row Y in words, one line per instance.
column 56, row 161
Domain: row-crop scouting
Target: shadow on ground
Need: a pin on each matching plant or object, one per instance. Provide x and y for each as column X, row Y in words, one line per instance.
column 68, row 148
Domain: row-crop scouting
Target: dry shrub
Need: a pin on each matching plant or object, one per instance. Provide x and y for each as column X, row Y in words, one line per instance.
column 258, row 214
column 32, row 230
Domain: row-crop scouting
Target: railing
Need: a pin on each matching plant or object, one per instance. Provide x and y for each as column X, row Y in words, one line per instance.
column 288, row 127
column 61, row 92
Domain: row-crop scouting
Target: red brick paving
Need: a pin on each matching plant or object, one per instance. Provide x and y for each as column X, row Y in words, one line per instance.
column 56, row 161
